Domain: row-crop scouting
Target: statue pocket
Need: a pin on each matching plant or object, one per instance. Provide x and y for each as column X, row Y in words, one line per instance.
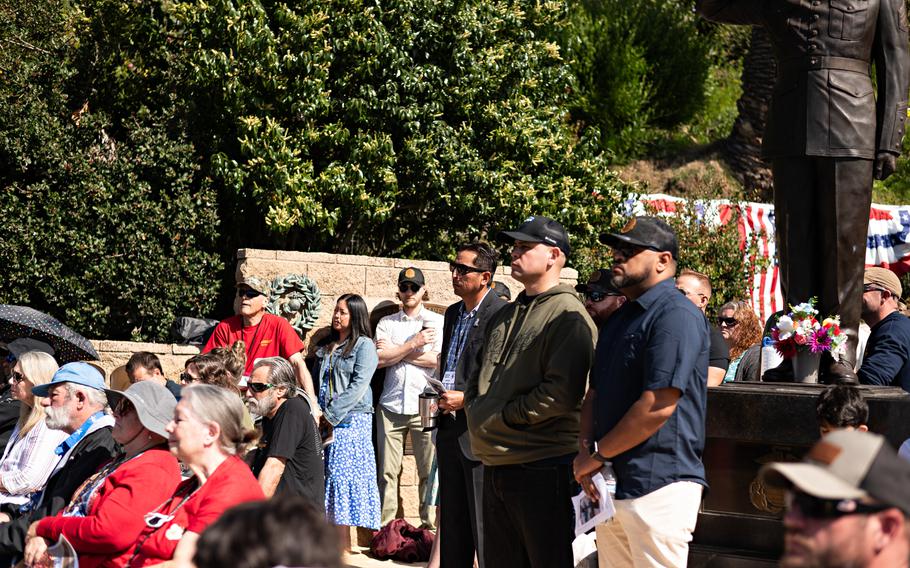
column 851, row 111
column 847, row 19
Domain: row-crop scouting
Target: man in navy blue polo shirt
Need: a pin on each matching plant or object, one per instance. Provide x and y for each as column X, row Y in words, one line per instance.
column 649, row 387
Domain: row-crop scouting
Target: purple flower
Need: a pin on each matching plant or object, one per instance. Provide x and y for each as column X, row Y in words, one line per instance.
column 820, row 341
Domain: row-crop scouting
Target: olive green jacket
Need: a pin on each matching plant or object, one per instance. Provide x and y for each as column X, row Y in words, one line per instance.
column 523, row 402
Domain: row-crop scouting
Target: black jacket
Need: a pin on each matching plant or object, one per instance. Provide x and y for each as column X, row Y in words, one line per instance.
column 457, row 426
column 9, row 416
column 93, row 451
column 823, row 102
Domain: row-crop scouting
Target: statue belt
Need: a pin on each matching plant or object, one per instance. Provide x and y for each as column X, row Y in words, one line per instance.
column 809, row 62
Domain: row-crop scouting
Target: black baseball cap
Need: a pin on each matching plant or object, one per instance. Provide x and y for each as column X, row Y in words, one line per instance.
column 411, row 274
column 601, row 280
column 647, row 232
column 539, row 229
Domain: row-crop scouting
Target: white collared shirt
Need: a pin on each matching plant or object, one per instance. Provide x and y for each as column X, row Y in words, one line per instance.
column 405, row 381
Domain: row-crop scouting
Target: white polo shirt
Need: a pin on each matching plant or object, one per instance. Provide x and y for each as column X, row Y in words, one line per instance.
column 405, row 381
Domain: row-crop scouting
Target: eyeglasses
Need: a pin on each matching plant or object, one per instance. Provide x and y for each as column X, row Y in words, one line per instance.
column 259, row 387
column 248, row 293
column 124, row 407
column 599, row 296
column 816, row 508
column 405, row 286
column 156, row 520
column 462, row 270
column 17, row 377
column 729, row 322
column 186, row 379
column 685, row 292
column 870, row 288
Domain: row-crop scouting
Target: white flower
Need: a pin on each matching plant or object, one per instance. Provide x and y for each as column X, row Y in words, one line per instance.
column 785, row 327
column 805, row 308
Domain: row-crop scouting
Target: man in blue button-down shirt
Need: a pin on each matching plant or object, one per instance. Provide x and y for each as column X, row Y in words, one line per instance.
column 649, row 387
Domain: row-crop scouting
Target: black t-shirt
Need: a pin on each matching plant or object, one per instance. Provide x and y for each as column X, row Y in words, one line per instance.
column 292, row 435
column 720, row 351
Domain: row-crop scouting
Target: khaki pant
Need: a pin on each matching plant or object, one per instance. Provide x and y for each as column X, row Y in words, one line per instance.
column 651, row 531
column 390, row 431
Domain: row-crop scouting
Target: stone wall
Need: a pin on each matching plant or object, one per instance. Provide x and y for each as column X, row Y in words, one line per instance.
column 113, row 355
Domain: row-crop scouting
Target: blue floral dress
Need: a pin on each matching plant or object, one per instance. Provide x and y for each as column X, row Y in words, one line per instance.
column 351, row 491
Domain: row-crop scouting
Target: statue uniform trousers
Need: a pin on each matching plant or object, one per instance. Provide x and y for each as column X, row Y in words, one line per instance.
column 825, row 128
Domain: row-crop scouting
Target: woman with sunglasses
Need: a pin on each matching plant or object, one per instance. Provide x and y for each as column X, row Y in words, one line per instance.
column 212, row 369
column 206, row 434
column 105, row 516
column 740, row 327
column 29, row 456
column 345, row 364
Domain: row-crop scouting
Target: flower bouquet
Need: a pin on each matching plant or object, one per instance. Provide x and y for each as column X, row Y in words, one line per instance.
column 800, row 331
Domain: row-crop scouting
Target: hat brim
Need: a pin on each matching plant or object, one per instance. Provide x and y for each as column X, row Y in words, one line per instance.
column 43, row 390
column 613, row 239
column 411, row 281
column 154, row 424
column 809, row 478
column 245, row 285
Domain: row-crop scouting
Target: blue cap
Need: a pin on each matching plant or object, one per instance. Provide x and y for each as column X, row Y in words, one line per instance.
column 78, row 373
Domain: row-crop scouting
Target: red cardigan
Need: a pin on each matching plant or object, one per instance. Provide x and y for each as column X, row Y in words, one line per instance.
column 107, row 535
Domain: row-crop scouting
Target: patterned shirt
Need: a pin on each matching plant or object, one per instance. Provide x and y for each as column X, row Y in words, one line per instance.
column 463, row 325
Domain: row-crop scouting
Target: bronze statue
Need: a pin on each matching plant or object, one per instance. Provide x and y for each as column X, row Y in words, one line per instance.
column 826, row 136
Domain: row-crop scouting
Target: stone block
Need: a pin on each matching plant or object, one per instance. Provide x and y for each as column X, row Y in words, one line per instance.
column 364, row 260
column 410, row 502
column 130, row 347
column 299, row 256
column 248, row 253
column 381, row 282
column 268, row 269
column 185, row 349
column 335, row 279
column 421, row 264
column 408, row 475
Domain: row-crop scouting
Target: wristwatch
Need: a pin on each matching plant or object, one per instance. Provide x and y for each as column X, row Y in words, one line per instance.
column 597, row 457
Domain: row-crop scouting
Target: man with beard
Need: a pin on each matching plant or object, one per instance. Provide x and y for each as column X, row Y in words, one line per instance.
column 288, row 459
column 887, row 358
column 601, row 297
column 408, row 344
column 74, row 402
column 847, row 504
column 649, row 384
column 460, row 472
column 523, row 405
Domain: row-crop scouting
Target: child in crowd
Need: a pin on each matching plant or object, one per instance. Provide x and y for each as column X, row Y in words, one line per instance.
column 841, row 407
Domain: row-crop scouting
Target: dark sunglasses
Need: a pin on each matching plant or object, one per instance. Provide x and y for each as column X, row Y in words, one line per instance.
column 17, row 377
column 405, row 286
column 870, row 288
column 599, row 296
column 729, row 322
column 816, row 508
column 259, row 387
column 463, row 270
column 248, row 293
column 124, row 407
column 186, row 379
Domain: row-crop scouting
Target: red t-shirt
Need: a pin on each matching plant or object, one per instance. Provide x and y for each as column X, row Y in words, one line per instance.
column 231, row 484
column 272, row 336
column 107, row 535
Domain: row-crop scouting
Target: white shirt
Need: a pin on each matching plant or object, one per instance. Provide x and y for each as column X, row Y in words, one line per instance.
column 27, row 462
column 404, row 381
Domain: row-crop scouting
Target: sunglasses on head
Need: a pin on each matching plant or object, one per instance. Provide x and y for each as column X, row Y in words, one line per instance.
column 729, row 322
column 259, row 387
column 17, row 377
column 405, row 286
column 818, row 508
column 247, row 293
column 463, row 270
column 186, row 379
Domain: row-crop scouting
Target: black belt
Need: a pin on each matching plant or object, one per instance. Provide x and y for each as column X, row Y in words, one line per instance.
column 810, row 62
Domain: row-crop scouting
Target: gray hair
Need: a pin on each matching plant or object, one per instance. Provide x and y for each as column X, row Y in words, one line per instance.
column 211, row 404
column 94, row 396
column 281, row 374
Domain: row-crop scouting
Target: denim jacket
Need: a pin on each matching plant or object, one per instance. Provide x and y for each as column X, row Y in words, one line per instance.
column 351, row 376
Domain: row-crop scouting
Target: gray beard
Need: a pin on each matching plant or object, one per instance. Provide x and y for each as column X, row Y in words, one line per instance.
column 57, row 418
column 262, row 407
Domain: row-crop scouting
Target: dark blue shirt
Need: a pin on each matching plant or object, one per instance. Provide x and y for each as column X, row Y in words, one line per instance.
column 887, row 358
column 657, row 341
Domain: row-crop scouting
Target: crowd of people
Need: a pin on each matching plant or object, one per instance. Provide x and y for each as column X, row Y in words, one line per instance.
column 255, row 453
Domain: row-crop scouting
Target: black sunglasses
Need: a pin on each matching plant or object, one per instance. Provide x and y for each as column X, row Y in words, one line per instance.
column 729, row 322
column 869, row 288
column 599, row 296
column 248, row 293
column 817, row 508
column 405, row 286
column 259, row 387
column 17, row 377
column 463, row 270
column 186, row 379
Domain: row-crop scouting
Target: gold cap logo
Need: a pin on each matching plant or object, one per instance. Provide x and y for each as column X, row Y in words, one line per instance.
column 409, row 273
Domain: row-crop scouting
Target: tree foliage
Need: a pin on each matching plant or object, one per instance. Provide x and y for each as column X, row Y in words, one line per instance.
column 109, row 228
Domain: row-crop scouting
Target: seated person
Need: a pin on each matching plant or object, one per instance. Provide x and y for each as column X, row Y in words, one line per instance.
column 887, row 359
column 75, row 403
column 105, row 518
column 841, row 407
column 207, row 435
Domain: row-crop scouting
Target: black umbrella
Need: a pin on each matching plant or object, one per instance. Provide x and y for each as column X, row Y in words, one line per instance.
column 22, row 321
